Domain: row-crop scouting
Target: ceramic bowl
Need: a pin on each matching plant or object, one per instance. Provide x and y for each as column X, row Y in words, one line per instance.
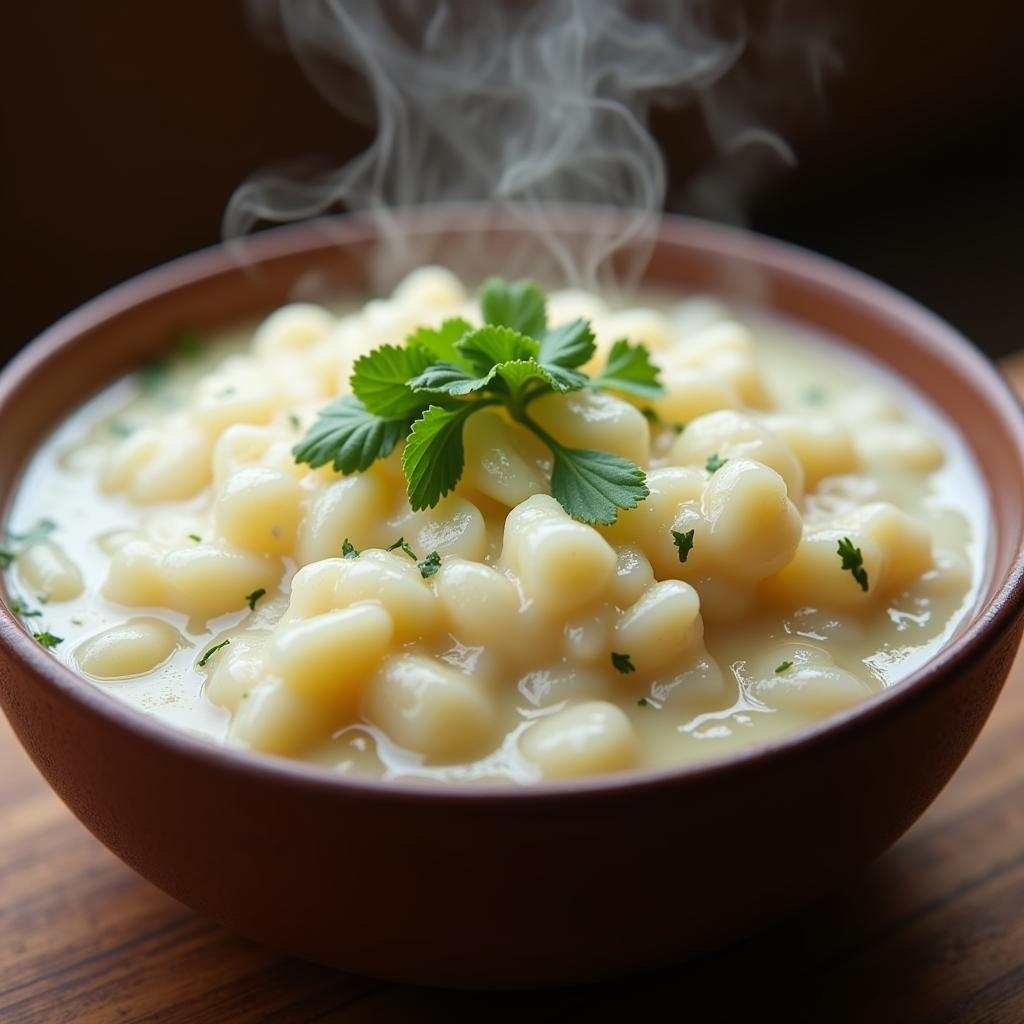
column 555, row 883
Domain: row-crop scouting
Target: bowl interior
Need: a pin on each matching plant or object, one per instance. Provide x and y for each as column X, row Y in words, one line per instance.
column 224, row 285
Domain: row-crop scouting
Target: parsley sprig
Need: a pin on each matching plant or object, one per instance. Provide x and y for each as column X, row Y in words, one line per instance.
column 853, row 562
column 425, row 391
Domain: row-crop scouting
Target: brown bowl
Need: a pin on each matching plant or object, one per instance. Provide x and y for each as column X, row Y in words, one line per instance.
column 558, row 883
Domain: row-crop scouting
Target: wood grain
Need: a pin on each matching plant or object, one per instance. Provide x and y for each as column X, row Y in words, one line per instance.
column 934, row 932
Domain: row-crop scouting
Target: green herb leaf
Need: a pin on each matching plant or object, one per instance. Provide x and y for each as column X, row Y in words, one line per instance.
column 33, row 534
column 429, row 566
column 348, row 549
column 254, row 597
column 434, row 454
column 629, row 369
column 520, row 305
column 683, row 542
column 351, row 437
column 195, row 537
column 516, row 374
column 561, row 378
column 783, row 666
column 400, row 544
column 592, row 485
column 651, row 415
column 570, row 345
column 623, row 663
column 294, row 421
column 509, row 361
column 853, row 562
column 714, row 463
column 380, row 380
column 6, row 558
column 441, row 341
column 152, row 376
column 211, row 652
column 190, row 343
column 486, row 347
column 47, row 639
column 22, row 608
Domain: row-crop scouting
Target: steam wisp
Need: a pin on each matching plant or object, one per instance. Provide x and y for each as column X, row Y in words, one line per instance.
column 520, row 104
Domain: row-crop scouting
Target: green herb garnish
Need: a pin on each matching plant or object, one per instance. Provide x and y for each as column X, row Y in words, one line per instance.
column 429, row 566
column 294, row 421
column 120, row 429
column 623, row 663
column 254, row 597
column 643, row 702
column 195, row 537
column 783, row 666
column 190, row 343
column 683, row 542
column 348, row 549
column 47, row 639
column 853, row 562
column 152, row 375
column 715, row 463
column 401, row 544
column 425, row 391
column 22, row 608
column 212, row 651
column 629, row 369
column 33, row 534
column 651, row 415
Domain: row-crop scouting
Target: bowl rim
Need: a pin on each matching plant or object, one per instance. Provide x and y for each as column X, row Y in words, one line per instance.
column 987, row 623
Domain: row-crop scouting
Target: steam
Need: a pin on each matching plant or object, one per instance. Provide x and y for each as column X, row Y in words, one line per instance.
column 521, row 104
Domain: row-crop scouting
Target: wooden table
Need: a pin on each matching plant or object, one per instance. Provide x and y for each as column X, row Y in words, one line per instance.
column 934, row 932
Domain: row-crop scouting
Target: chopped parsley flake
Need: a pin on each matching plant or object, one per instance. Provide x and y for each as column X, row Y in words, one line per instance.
column 401, row 544
column 652, row 417
column 152, row 376
column 190, row 343
column 212, row 651
column 195, row 537
column 40, row 531
column 783, row 666
column 22, row 608
column 429, row 566
column 348, row 549
column 33, row 535
column 294, row 421
column 683, row 542
column 47, row 639
column 254, row 597
column 853, row 562
column 715, row 463
column 623, row 663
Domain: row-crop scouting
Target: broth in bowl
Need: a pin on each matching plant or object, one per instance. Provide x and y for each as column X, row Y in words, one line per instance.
column 677, row 531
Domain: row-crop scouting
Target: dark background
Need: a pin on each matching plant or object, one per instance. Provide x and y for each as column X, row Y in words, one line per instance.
column 127, row 125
